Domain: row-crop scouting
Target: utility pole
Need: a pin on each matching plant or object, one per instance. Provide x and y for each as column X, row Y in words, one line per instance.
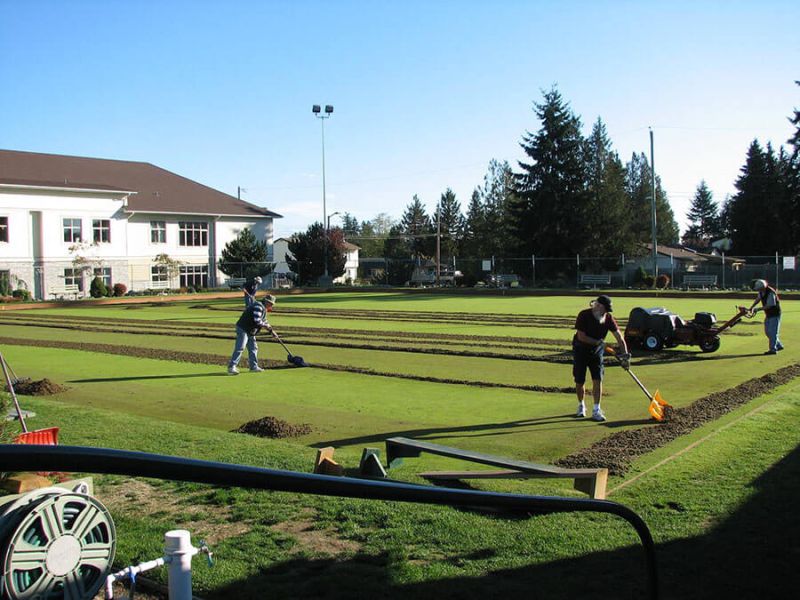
column 653, row 208
column 316, row 109
column 438, row 242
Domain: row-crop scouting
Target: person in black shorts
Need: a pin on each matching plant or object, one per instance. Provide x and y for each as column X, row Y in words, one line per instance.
column 588, row 347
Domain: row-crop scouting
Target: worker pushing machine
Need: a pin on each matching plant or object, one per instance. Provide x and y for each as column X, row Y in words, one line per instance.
column 771, row 305
column 588, row 348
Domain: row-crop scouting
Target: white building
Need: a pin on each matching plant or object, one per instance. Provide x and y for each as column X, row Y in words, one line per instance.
column 116, row 215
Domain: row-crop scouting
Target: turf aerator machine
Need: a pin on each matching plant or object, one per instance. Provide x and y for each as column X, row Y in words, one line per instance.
column 657, row 328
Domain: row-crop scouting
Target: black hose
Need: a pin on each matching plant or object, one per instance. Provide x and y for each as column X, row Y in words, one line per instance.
column 15, row 457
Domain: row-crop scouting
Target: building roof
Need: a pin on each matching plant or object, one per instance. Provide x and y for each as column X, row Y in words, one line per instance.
column 151, row 188
column 677, row 252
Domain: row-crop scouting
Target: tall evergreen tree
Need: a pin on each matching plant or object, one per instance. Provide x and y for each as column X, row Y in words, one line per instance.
column 497, row 196
column 350, row 225
column 703, row 218
column 606, row 230
column 416, row 224
column 550, row 192
column 749, row 221
column 452, row 225
column 638, row 184
column 472, row 245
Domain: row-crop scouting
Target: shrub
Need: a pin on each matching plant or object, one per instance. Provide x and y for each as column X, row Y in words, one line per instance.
column 98, row 288
column 23, row 295
column 120, row 289
column 662, row 281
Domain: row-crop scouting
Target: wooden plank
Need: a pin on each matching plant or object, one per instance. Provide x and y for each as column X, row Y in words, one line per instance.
column 505, row 474
column 589, row 481
column 406, row 447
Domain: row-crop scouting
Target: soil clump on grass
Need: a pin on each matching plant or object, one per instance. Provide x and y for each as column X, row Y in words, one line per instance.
column 41, row 387
column 616, row 451
column 272, row 427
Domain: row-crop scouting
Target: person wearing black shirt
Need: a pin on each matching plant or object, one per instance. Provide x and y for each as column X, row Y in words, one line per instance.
column 588, row 347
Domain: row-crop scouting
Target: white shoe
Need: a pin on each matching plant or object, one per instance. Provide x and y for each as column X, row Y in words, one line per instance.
column 581, row 411
column 233, row 371
column 256, row 369
column 597, row 415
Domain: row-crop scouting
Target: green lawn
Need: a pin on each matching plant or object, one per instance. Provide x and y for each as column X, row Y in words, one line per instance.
column 187, row 408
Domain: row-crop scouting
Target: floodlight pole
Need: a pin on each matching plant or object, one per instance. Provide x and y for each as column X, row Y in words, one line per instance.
column 322, row 116
column 653, row 208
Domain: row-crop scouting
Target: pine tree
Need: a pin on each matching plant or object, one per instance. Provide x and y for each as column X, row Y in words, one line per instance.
column 350, row 225
column 606, row 230
column 474, row 228
column 703, row 218
column 497, row 197
column 638, row 184
column 245, row 256
column 452, row 228
column 750, row 223
column 416, row 224
column 550, row 191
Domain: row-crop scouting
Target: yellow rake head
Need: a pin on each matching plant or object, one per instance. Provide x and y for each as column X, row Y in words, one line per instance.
column 657, row 405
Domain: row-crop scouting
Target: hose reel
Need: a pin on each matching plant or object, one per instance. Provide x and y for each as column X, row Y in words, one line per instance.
column 55, row 544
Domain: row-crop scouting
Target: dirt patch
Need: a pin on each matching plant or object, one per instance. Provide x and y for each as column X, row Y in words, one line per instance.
column 42, row 387
column 315, row 541
column 272, row 427
column 616, row 451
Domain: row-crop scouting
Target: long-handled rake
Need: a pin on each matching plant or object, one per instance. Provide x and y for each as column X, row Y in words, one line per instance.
column 658, row 405
column 297, row 361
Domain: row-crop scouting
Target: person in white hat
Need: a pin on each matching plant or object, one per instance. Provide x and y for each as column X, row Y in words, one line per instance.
column 250, row 290
column 771, row 305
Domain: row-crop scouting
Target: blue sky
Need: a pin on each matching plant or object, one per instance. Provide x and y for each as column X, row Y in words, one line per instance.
column 425, row 93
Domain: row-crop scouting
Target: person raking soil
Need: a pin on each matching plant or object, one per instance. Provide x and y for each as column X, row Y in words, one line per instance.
column 252, row 319
column 588, row 348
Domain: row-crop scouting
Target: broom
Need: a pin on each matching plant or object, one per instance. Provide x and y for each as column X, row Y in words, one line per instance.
column 658, row 405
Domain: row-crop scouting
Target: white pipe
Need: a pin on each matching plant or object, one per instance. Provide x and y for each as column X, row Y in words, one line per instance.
column 179, row 551
column 130, row 573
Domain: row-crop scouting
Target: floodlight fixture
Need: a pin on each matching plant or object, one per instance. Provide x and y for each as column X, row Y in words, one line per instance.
column 315, row 109
column 328, row 109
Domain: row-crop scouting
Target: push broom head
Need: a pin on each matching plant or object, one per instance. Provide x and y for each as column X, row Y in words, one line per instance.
column 297, row 361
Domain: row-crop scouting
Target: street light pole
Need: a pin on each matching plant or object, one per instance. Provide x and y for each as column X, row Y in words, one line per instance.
column 316, row 109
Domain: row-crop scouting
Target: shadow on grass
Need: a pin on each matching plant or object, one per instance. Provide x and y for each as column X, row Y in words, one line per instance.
column 434, row 433
column 219, row 373
column 752, row 554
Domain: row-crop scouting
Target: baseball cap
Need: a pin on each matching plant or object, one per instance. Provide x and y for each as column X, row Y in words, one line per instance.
column 605, row 301
column 270, row 299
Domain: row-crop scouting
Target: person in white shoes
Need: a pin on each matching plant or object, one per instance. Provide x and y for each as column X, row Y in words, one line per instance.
column 588, row 347
column 253, row 318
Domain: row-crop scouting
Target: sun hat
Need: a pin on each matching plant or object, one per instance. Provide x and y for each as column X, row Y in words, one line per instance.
column 270, row 299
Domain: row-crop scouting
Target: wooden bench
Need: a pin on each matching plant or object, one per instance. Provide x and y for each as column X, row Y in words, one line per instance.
column 65, row 289
column 159, row 285
column 589, row 481
column 702, row 281
column 235, row 282
column 594, row 279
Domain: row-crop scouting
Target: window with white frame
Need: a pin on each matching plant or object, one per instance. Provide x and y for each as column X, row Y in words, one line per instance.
column 3, row 229
column 101, row 231
column 73, row 277
column 192, row 233
column 195, row 276
column 159, row 275
column 72, row 230
column 158, row 232
column 103, row 273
